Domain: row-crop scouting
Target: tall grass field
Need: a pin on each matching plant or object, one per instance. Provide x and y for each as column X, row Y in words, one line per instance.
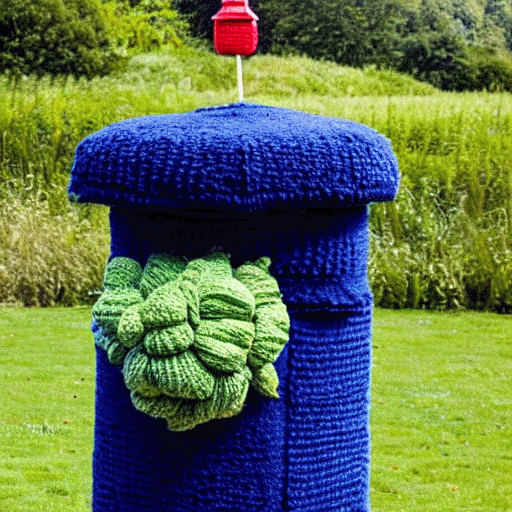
column 446, row 243
column 440, row 418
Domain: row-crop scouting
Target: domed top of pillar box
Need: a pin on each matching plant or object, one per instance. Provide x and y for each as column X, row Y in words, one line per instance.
column 240, row 158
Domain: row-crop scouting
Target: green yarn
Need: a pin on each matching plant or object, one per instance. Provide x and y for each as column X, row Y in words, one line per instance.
column 192, row 336
column 165, row 306
column 159, row 269
column 130, row 329
column 265, row 380
column 217, row 344
column 180, row 376
column 115, row 351
column 112, row 304
column 272, row 324
column 122, row 273
column 169, row 341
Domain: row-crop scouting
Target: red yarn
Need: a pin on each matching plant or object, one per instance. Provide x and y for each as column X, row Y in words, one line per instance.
column 235, row 29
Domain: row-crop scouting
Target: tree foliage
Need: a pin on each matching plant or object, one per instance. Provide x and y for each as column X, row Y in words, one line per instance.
column 54, row 37
column 455, row 46
column 350, row 32
column 143, row 25
column 198, row 13
column 499, row 14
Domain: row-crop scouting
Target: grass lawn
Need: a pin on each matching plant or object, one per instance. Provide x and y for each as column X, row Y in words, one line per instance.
column 441, row 412
column 441, row 416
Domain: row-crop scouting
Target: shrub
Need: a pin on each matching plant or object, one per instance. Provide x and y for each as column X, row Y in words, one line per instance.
column 447, row 62
column 426, row 254
column 489, row 69
column 143, row 25
column 436, row 58
column 54, row 37
column 350, row 32
column 50, row 259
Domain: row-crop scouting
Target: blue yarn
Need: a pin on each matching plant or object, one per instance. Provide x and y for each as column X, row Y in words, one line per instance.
column 242, row 157
column 254, row 181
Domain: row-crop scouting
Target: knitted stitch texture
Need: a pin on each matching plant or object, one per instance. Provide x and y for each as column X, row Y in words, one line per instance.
column 242, row 157
column 192, row 336
column 253, row 181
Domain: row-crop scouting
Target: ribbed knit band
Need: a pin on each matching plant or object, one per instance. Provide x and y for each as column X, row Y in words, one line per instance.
column 236, row 158
column 327, row 430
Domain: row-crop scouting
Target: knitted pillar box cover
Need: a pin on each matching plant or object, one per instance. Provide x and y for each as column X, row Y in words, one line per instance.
column 285, row 194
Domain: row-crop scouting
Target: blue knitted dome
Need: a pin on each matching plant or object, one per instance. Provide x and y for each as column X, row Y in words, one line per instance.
column 255, row 181
column 241, row 157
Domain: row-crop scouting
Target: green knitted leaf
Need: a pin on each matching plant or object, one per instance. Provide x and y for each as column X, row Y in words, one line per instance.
column 266, row 381
column 227, row 400
column 134, row 373
column 194, row 271
column 169, row 341
column 271, row 318
column 236, row 332
column 116, row 352
column 165, row 306
column 111, row 346
column 191, row 296
column 180, row 414
column 160, row 269
column 272, row 333
column 219, row 266
column 259, row 282
column 181, row 376
column 122, row 273
column 130, row 329
column 102, row 341
column 228, row 397
column 225, row 299
column 224, row 357
column 111, row 305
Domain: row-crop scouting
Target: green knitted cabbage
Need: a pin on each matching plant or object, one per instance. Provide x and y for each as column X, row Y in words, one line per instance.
column 192, row 337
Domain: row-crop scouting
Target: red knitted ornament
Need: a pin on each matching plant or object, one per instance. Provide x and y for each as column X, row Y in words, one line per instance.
column 235, row 31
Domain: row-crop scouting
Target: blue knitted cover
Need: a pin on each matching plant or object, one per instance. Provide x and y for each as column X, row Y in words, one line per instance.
column 253, row 181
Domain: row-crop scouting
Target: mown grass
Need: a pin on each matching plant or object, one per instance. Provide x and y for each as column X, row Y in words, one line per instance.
column 46, row 409
column 440, row 416
column 441, row 412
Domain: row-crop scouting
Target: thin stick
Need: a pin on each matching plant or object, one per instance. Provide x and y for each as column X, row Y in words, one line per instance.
column 240, row 79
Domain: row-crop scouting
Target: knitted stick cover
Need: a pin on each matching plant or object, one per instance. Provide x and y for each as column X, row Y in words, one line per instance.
column 250, row 181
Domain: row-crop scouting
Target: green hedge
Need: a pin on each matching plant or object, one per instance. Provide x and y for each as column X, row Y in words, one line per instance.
column 54, row 37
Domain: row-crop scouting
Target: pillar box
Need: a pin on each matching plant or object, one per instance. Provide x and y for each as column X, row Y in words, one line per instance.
column 251, row 181
column 235, row 31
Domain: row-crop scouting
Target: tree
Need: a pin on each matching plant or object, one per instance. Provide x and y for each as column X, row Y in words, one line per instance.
column 143, row 25
column 54, row 37
column 500, row 13
column 454, row 46
column 198, row 13
column 352, row 32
